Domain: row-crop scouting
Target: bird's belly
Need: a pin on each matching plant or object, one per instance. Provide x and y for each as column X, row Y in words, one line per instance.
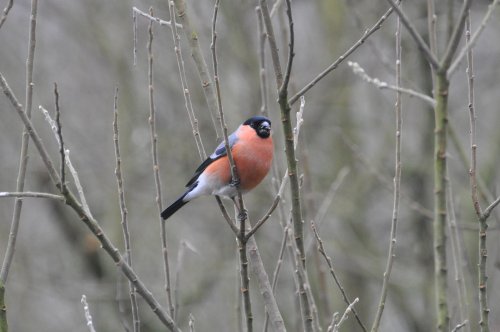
column 253, row 167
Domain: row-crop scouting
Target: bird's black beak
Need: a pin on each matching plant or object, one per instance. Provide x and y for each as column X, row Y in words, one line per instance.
column 264, row 129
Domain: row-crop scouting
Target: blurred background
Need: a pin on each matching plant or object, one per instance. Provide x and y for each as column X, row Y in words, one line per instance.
column 87, row 48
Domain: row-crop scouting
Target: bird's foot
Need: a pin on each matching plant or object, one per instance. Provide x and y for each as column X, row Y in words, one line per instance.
column 235, row 183
column 243, row 214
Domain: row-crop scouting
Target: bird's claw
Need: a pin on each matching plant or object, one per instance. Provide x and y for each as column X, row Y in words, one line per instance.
column 243, row 214
column 235, row 183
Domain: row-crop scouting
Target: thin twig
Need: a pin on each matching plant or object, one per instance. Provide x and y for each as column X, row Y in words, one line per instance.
column 155, row 19
column 272, row 42
column 180, row 264
column 481, row 216
column 6, row 11
column 391, row 255
column 358, row 70
column 264, row 218
column 262, row 62
column 452, row 46
column 459, row 326
column 341, row 58
column 473, row 39
column 88, row 219
column 62, row 152
column 156, row 170
column 259, row 272
column 325, row 204
column 241, row 215
column 31, row 194
column 67, row 159
column 277, row 268
column 191, row 35
column 23, row 159
column 185, row 88
column 88, row 316
column 191, row 323
column 303, row 287
column 432, row 31
column 345, row 315
column 457, row 257
column 426, row 52
column 124, row 213
column 328, row 260
column 234, row 171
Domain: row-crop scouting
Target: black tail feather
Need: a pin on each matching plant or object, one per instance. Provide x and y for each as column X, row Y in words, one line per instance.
column 173, row 208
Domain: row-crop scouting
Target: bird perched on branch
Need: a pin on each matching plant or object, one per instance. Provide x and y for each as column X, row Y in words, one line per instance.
column 252, row 150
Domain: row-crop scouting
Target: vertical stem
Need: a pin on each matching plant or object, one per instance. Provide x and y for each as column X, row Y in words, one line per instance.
column 397, row 183
column 483, row 278
column 482, row 217
column 156, row 169
column 3, row 309
column 440, row 213
column 245, row 283
column 206, row 82
column 124, row 214
column 23, row 163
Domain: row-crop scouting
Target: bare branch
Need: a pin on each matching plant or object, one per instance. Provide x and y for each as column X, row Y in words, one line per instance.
column 429, row 56
column 341, row 58
column 459, row 326
column 473, row 39
column 397, row 187
column 183, row 79
column 88, row 316
column 124, row 213
column 348, row 310
column 23, row 160
column 87, row 218
column 455, row 37
column 358, row 70
column 156, row 167
column 191, row 35
column 71, row 168
column 328, row 260
column 31, row 194
column 62, row 152
column 155, row 19
column 6, row 11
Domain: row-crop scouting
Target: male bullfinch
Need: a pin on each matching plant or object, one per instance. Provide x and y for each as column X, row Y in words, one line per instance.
column 252, row 149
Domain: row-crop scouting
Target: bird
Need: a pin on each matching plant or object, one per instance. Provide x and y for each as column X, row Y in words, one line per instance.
column 252, row 149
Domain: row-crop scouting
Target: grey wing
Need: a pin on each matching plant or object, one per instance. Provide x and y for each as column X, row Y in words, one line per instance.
column 219, row 152
column 221, row 148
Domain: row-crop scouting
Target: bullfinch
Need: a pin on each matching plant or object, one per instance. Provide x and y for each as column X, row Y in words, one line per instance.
column 252, row 150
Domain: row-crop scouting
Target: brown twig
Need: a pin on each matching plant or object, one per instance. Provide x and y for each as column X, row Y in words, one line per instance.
column 341, row 58
column 32, row 194
column 183, row 79
column 124, row 213
column 240, row 207
column 86, row 218
column 452, row 46
column 328, row 260
column 23, row 160
column 156, row 169
column 426, row 52
column 6, row 11
column 397, row 186
column 207, row 84
column 473, row 39
column 62, row 152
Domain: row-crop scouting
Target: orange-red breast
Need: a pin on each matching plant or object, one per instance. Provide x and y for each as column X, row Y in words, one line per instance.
column 252, row 149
